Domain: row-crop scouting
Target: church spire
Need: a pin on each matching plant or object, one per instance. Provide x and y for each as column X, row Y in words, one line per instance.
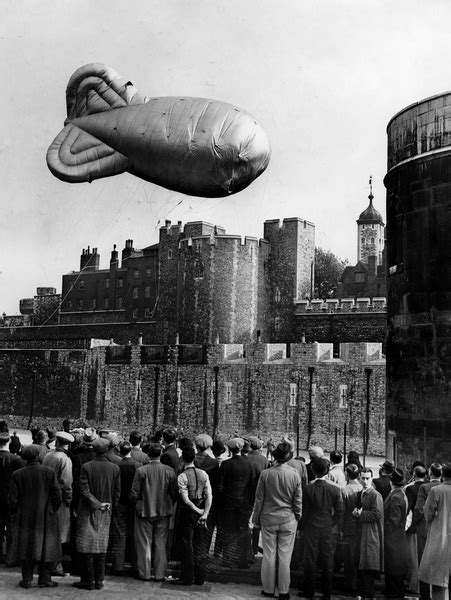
column 371, row 190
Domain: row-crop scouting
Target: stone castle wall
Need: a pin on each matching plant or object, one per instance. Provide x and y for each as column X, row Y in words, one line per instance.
column 265, row 389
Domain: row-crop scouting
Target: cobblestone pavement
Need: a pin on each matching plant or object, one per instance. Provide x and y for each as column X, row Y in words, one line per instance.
column 132, row 589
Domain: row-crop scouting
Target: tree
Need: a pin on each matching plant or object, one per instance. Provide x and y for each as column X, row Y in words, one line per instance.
column 328, row 270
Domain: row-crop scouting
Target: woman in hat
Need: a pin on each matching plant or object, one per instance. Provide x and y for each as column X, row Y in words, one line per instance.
column 277, row 509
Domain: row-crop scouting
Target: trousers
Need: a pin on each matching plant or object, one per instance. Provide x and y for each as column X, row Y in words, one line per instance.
column 194, row 542
column 147, row 531
column 318, row 543
column 278, row 544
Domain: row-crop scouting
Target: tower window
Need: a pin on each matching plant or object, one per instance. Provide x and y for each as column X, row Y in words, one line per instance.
column 120, row 282
column 228, row 392
column 136, row 274
column 293, row 394
column 81, row 284
column 277, row 323
column 135, row 292
column 80, row 304
column 362, row 241
column 343, row 395
column 372, row 240
column 277, row 295
column 147, row 291
column 169, row 254
column 359, row 277
column 106, row 302
column 107, row 282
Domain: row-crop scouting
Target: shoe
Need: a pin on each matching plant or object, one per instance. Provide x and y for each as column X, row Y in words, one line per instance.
column 267, row 594
column 45, row 584
column 119, row 573
column 98, row 585
column 139, row 578
column 58, row 573
column 155, row 580
column 180, row 582
column 82, row 585
column 199, row 582
column 284, row 596
column 25, row 584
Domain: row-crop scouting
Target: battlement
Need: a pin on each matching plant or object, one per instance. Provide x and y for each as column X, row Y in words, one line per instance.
column 345, row 305
column 272, row 226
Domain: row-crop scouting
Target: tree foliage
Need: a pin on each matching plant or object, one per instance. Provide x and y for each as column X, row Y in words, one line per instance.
column 328, row 270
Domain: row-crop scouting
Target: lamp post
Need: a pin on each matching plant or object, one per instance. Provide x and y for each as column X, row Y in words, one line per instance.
column 367, row 413
column 216, row 406
column 33, row 383
column 311, row 370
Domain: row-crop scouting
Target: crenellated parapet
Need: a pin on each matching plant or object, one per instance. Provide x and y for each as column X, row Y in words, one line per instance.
column 345, row 305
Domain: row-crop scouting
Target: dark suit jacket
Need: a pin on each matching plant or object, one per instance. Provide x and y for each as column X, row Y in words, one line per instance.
column 170, row 457
column 412, row 495
column 8, row 464
column 258, row 464
column 418, row 516
column 235, row 480
column 322, row 505
column 382, row 485
column 204, row 461
column 128, row 467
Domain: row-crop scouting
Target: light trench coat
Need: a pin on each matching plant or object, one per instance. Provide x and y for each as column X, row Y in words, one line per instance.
column 435, row 566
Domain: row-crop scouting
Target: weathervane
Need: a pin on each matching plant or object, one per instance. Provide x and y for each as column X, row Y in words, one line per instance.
column 371, row 188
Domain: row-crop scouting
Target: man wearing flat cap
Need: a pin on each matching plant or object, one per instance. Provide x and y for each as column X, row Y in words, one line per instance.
column 34, row 499
column 100, row 489
column 395, row 542
column 315, row 452
column 59, row 461
column 234, row 485
column 204, row 459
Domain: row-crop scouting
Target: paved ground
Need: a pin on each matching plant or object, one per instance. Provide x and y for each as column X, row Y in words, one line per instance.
column 131, row 589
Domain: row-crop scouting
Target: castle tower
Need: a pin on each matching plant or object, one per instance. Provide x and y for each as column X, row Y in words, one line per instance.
column 289, row 272
column 418, row 185
column 370, row 232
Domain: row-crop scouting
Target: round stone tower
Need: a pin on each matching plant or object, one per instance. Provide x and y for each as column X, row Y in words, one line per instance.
column 418, row 185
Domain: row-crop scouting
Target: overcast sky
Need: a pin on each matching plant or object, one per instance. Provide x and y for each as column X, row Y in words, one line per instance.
column 323, row 78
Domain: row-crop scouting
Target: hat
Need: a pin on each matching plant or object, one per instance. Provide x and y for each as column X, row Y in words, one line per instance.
column 235, row 443
column 51, row 433
column 125, row 447
column 218, row 448
column 289, row 441
column 113, row 438
column 388, row 466
column 66, row 437
column 4, row 437
column 255, row 443
column 352, row 470
column 397, row 477
column 316, row 452
column 90, row 435
column 283, row 452
column 446, row 470
column 101, row 445
column 203, row 441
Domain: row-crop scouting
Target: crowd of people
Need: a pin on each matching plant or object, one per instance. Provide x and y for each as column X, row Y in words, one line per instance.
column 137, row 503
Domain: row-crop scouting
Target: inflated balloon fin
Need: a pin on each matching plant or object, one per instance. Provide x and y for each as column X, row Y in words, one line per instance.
column 195, row 146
